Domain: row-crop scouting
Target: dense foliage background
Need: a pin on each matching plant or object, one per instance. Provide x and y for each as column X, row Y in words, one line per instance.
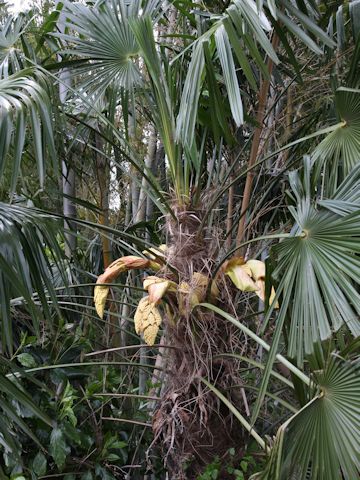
column 228, row 131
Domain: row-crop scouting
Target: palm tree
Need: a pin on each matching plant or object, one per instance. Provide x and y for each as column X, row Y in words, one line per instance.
column 185, row 419
column 196, row 92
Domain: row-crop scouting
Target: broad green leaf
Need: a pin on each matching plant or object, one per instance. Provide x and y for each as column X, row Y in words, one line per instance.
column 87, row 476
column 58, row 448
column 13, row 391
column 39, row 464
column 26, row 360
column 12, row 414
column 103, row 473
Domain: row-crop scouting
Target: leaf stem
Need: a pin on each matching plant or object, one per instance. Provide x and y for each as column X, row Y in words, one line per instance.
column 296, row 371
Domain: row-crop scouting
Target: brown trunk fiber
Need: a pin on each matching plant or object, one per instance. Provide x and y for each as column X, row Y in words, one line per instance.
column 190, row 424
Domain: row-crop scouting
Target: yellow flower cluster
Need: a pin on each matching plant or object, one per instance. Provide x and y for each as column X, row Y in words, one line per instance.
column 120, row 265
column 248, row 276
column 147, row 320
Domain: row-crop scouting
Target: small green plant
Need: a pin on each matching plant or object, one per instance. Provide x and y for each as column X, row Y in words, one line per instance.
column 238, row 470
column 247, row 465
column 212, row 471
column 79, row 440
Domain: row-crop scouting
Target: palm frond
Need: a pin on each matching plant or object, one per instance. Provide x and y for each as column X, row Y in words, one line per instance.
column 24, row 101
column 243, row 32
column 10, row 33
column 114, row 36
column 11, row 390
column 25, row 266
column 227, row 63
column 321, row 440
column 102, row 35
column 340, row 150
column 347, row 197
column 321, row 264
column 186, row 120
column 164, row 118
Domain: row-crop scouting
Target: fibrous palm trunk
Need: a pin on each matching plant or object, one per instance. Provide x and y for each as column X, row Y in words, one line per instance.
column 190, row 424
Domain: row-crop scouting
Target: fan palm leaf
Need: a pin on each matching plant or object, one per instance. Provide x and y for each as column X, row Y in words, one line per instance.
column 10, row 33
column 347, row 197
column 322, row 438
column 321, row 264
column 340, row 150
column 25, row 265
column 242, row 32
column 102, row 35
column 24, row 101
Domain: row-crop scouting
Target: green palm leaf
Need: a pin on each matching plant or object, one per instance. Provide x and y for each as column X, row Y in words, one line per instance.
column 24, row 100
column 10, row 60
column 322, row 439
column 347, row 197
column 186, row 120
column 321, row 263
column 340, row 150
column 25, row 266
column 242, row 30
column 12, row 395
column 227, row 64
column 102, row 35
column 114, row 35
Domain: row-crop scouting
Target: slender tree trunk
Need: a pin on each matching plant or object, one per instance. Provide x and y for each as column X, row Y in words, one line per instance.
column 103, row 177
column 68, row 173
column 69, row 209
column 263, row 96
column 160, row 165
column 135, row 190
column 134, row 184
column 149, row 161
column 128, row 208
